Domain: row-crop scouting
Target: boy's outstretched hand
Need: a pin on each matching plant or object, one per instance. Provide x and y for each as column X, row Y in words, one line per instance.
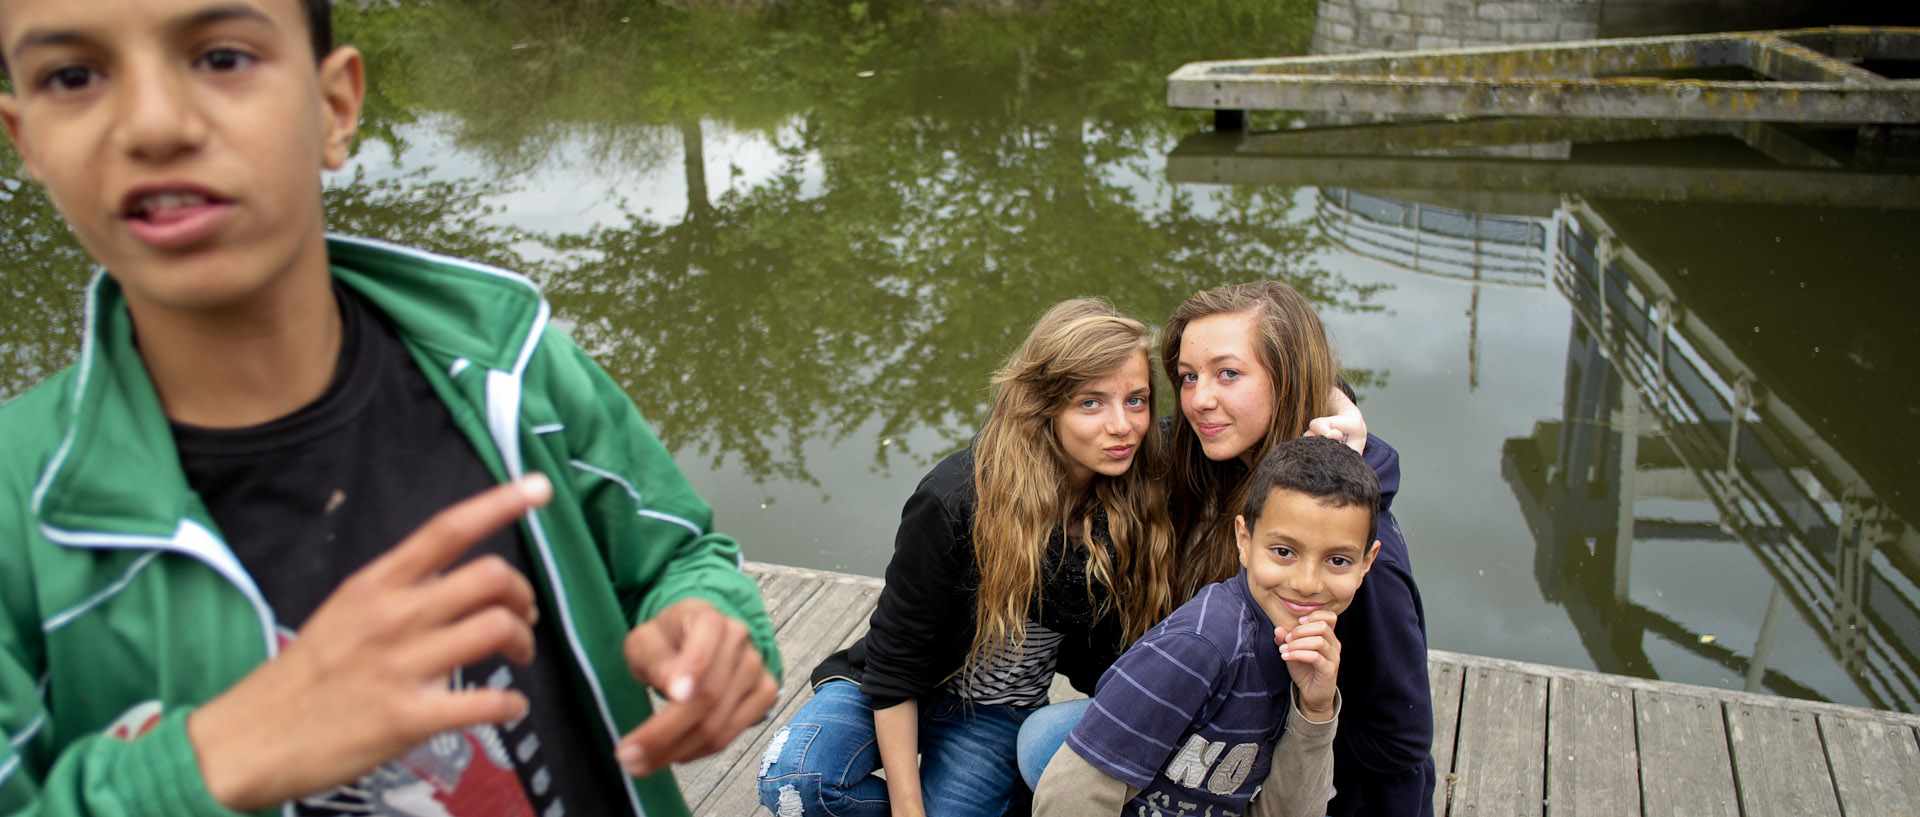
column 367, row 677
column 1312, row 654
column 714, row 679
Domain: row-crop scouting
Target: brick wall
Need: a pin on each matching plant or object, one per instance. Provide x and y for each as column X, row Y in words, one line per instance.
column 1345, row 26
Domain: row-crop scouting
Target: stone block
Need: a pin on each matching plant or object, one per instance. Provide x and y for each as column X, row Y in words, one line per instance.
column 1426, row 41
column 1529, row 32
column 1429, row 25
column 1565, row 12
column 1390, row 21
column 1340, row 33
column 1485, row 31
column 1579, row 31
column 1337, row 13
column 1376, row 5
column 1371, row 40
column 1504, row 10
column 1434, row 8
column 1460, row 8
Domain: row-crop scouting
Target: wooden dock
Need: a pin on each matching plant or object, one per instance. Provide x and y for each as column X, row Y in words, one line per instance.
column 1510, row 738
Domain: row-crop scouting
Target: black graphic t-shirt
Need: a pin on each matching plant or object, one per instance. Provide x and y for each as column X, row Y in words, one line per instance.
column 306, row 500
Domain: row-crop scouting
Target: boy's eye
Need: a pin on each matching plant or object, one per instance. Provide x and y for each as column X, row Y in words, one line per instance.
column 225, row 59
column 69, row 78
column 1339, row 561
column 1280, row 552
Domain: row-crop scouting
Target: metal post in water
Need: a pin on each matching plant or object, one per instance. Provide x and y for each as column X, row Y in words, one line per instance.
column 1763, row 648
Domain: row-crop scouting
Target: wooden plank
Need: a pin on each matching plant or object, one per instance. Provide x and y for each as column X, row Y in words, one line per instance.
column 1876, row 765
column 1685, row 769
column 1778, row 762
column 784, row 595
column 817, row 628
column 1472, row 662
column 1593, row 767
column 1444, row 679
column 1500, row 759
column 738, row 793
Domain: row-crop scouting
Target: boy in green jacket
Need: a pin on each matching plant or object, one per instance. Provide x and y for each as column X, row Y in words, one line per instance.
column 203, row 608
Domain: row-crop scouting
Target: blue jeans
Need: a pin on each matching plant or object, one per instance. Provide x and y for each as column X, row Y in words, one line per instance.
column 1044, row 733
column 823, row 761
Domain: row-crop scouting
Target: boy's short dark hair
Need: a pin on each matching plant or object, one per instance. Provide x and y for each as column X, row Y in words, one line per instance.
column 319, row 26
column 1322, row 468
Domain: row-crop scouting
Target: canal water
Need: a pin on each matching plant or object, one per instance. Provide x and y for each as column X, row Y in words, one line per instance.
column 1652, row 388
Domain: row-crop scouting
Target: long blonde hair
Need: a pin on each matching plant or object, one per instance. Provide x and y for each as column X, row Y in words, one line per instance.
column 1292, row 346
column 1020, row 472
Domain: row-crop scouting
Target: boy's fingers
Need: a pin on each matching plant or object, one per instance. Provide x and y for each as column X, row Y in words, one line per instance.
column 679, row 732
column 660, row 738
column 648, row 654
column 452, row 531
column 481, row 583
column 493, row 631
column 1324, row 616
column 761, row 692
column 692, row 675
column 469, row 707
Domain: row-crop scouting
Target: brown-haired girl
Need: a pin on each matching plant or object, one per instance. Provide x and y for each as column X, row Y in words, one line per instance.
column 1251, row 363
column 1042, row 548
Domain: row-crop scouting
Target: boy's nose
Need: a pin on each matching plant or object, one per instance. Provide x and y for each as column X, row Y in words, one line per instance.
column 158, row 119
column 1304, row 583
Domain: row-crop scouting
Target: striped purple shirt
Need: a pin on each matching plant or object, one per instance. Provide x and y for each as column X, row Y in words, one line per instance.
column 1191, row 713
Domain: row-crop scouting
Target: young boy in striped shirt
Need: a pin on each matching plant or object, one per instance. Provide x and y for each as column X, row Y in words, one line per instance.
column 1203, row 716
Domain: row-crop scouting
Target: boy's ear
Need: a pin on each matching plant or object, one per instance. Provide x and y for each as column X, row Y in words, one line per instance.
column 1367, row 563
column 343, row 89
column 1241, row 537
column 10, row 117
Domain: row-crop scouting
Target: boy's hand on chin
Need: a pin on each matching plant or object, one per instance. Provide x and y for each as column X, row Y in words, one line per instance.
column 1312, row 654
column 367, row 677
column 713, row 677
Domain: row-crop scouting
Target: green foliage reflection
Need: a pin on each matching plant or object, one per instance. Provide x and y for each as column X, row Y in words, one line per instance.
column 950, row 170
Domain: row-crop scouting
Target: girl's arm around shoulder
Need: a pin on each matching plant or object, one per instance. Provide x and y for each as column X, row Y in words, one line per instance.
column 1385, row 462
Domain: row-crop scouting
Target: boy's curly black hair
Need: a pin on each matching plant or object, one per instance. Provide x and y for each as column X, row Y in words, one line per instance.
column 1322, row 468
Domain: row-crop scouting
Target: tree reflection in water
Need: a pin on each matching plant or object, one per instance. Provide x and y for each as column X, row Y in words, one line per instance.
column 991, row 164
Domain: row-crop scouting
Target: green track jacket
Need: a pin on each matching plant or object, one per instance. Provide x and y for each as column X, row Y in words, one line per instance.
column 121, row 608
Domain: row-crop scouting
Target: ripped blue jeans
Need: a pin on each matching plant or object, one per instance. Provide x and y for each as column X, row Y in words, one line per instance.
column 822, row 763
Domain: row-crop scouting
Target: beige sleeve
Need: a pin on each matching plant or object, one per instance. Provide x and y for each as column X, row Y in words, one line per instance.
column 1301, row 779
column 1072, row 787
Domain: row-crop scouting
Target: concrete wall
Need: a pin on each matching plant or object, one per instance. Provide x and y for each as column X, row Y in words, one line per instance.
column 1345, row 26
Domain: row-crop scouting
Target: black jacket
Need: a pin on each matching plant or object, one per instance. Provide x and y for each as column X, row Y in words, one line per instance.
column 923, row 625
column 1382, row 755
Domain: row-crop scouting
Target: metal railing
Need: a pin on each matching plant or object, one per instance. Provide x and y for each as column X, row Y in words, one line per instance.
column 1441, row 241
